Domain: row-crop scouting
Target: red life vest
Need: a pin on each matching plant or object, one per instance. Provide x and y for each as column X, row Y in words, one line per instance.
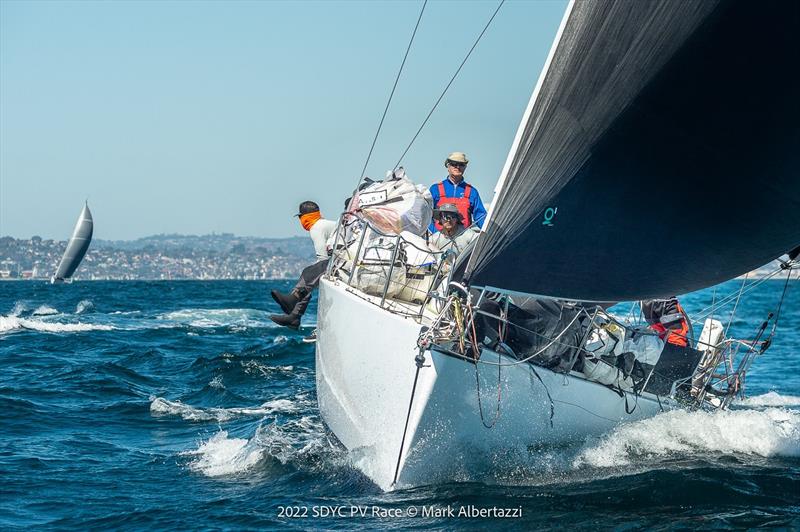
column 462, row 204
column 667, row 318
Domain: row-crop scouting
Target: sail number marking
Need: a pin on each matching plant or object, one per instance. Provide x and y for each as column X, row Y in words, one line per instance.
column 549, row 214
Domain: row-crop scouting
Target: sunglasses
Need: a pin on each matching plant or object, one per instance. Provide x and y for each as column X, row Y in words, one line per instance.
column 456, row 164
column 448, row 216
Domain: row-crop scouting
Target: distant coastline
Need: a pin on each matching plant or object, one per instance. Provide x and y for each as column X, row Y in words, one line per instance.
column 162, row 257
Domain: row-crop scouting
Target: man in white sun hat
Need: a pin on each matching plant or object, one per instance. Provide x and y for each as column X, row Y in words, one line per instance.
column 453, row 189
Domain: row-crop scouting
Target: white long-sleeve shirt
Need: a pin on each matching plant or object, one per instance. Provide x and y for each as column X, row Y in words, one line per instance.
column 320, row 232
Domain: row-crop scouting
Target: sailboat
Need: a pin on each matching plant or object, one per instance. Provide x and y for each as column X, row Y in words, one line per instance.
column 658, row 155
column 76, row 247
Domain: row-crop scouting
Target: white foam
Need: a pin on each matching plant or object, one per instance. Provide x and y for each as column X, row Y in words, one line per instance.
column 84, row 306
column 19, row 308
column 222, row 455
column 210, row 318
column 45, row 310
column 11, row 323
column 770, row 399
column 292, row 441
column 252, row 367
column 770, row 432
column 163, row 407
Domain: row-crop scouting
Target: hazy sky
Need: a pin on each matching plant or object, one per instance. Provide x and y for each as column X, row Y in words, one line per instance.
column 193, row 117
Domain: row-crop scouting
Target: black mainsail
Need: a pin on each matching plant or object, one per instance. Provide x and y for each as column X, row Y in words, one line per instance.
column 660, row 153
column 76, row 247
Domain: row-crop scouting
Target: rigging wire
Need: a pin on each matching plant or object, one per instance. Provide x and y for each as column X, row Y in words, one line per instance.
column 452, row 79
column 736, row 304
column 768, row 341
column 391, row 95
column 719, row 304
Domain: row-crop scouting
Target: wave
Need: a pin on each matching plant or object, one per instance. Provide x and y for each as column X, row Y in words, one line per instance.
column 253, row 367
column 84, row 306
column 217, row 383
column 764, row 433
column 211, row 318
column 770, row 399
column 19, row 308
column 222, row 455
column 237, row 319
column 44, row 310
column 12, row 323
column 164, row 407
column 300, row 442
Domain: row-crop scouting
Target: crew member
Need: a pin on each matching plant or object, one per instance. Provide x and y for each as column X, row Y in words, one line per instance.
column 455, row 190
column 453, row 236
column 294, row 303
column 667, row 318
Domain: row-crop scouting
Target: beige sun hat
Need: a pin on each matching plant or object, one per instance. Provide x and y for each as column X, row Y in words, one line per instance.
column 457, row 157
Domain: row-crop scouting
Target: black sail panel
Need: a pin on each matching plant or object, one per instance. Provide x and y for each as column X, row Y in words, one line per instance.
column 694, row 181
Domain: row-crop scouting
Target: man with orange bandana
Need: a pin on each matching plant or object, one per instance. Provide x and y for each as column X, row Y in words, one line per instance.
column 294, row 303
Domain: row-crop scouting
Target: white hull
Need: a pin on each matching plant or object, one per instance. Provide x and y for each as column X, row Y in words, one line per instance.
column 365, row 375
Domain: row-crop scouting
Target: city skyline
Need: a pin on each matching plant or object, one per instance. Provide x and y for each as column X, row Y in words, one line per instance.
column 223, row 256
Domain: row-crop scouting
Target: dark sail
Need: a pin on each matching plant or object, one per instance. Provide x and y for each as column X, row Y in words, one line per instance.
column 77, row 246
column 661, row 154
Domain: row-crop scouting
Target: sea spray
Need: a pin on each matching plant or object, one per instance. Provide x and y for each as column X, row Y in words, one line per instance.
column 84, row 306
column 44, row 310
column 769, row 399
column 765, row 433
column 13, row 323
column 222, row 455
column 163, row 407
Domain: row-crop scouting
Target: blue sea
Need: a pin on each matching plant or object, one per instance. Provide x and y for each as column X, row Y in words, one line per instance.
column 179, row 405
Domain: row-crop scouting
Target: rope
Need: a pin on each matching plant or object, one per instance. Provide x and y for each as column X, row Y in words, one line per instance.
column 420, row 360
column 768, row 341
column 499, row 396
column 736, row 305
column 549, row 397
column 542, row 350
column 780, row 302
column 705, row 312
column 391, row 95
column 452, row 79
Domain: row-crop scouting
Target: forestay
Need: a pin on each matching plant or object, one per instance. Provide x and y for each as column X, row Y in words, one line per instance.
column 660, row 153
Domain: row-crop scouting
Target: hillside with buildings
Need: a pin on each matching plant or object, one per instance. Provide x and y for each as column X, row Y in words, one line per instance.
column 215, row 256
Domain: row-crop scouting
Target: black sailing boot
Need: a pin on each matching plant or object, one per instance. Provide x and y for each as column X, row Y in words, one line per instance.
column 287, row 320
column 286, row 301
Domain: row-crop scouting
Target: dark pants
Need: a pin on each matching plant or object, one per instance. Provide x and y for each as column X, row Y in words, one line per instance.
column 309, row 279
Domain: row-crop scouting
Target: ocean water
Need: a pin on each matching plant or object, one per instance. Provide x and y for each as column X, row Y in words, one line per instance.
column 178, row 405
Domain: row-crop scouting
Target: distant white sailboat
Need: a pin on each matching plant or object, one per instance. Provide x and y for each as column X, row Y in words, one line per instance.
column 76, row 247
